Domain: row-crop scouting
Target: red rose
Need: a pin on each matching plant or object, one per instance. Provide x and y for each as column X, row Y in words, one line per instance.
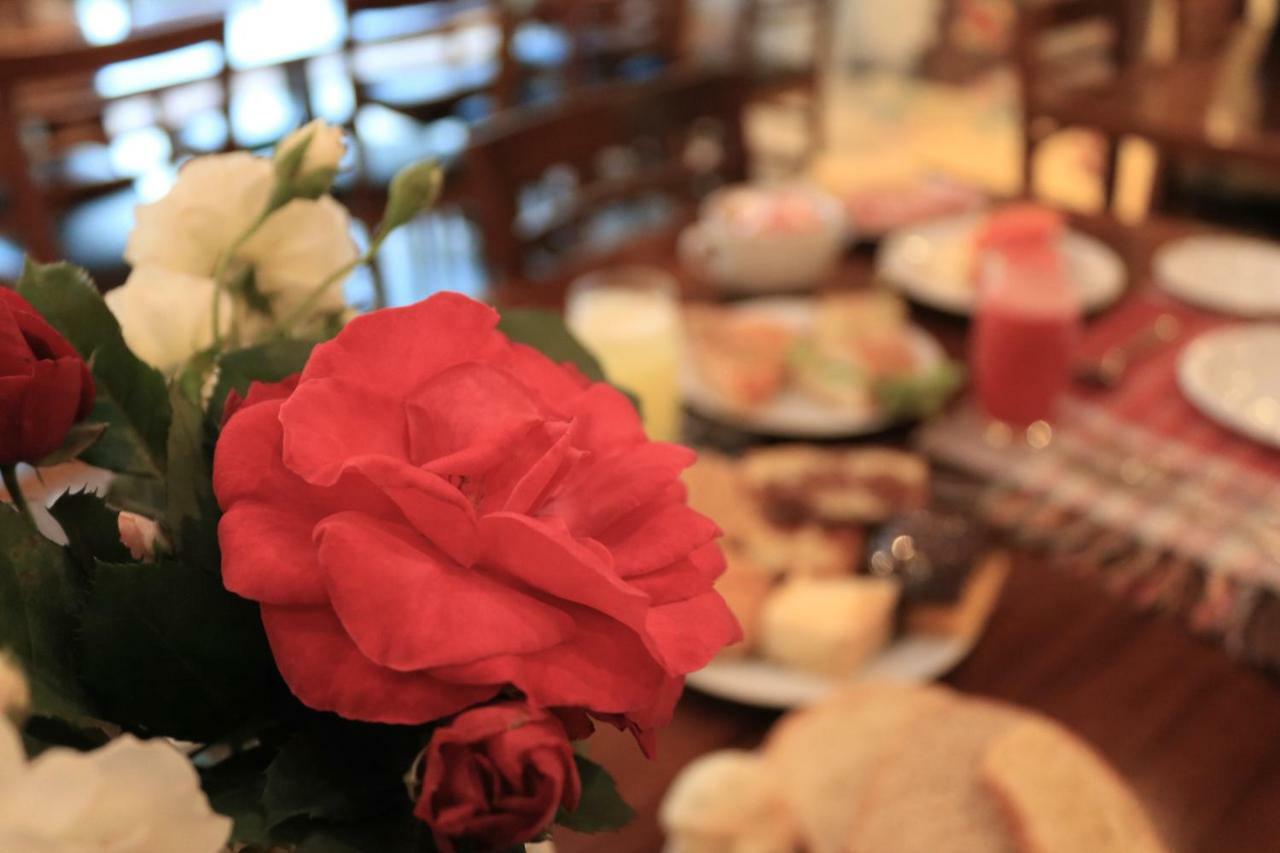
column 436, row 513
column 495, row 777
column 45, row 386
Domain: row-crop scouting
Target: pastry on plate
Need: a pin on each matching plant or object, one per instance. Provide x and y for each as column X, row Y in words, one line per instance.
column 830, row 625
column 860, row 485
column 805, row 551
column 742, row 356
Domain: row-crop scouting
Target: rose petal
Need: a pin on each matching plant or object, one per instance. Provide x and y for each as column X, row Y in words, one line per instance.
column 426, row 337
column 682, row 650
column 684, row 578
column 268, row 554
column 465, row 408
column 609, row 420
column 605, row 668
column 327, row 422
column 602, row 491
column 408, row 609
column 657, row 536
column 555, row 384
column 526, row 549
column 326, row 671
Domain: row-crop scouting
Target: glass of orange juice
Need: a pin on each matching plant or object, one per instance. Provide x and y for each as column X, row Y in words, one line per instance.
column 629, row 317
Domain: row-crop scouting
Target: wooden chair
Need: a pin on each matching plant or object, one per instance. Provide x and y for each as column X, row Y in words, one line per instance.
column 1063, row 49
column 48, row 102
column 544, row 184
column 600, row 41
column 790, row 83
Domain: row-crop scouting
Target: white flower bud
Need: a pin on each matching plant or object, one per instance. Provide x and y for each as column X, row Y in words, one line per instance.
column 326, row 146
column 138, row 534
column 15, row 694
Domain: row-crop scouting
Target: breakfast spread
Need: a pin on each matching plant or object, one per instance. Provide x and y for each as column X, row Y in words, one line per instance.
column 882, row 768
column 831, row 554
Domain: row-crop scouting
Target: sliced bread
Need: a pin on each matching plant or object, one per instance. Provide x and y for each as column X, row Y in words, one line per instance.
column 1061, row 797
column 825, row 754
column 926, row 793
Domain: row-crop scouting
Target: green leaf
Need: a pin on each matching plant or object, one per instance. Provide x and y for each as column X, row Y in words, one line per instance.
column 340, row 770
column 92, row 528
column 191, row 377
column 547, row 333
column 234, row 788
column 42, row 733
column 601, row 809
column 168, row 651
column 131, row 397
column 192, row 511
column 268, row 362
column 143, row 495
column 40, row 598
column 79, row 438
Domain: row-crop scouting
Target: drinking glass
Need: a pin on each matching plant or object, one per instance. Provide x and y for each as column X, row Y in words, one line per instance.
column 1025, row 332
column 629, row 317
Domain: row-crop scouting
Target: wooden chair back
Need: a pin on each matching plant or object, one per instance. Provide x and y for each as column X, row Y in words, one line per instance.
column 1066, row 44
column 544, row 183
column 31, row 75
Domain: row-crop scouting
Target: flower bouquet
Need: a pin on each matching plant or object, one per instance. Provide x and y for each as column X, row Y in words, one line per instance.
column 357, row 584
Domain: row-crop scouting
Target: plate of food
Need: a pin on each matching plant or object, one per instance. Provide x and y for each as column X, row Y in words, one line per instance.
column 838, row 572
column 837, row 366
column 937, row 263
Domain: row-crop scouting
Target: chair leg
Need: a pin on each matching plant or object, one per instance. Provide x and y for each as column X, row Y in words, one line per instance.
column 1030, row 145
column 1110, row 172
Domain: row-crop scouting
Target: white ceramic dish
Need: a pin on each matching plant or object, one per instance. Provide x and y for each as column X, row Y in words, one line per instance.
column 753, row 260
column 794, row 414
column 930, row 264
column 752, row 681
column 1230, row 275
column 1233, row 376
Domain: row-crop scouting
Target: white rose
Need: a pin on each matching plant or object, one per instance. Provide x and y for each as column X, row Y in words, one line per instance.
column 129, row 796
column 164, row 307
column 325, row 151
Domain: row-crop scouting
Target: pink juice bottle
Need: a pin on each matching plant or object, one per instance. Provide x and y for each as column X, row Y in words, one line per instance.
column 1024, row 334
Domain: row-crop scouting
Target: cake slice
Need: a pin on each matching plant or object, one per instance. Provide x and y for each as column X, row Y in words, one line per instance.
column 926, row 794
column 1061, row 797
column 828, row 625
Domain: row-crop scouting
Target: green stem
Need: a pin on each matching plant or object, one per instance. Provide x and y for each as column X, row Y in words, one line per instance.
column 284, row 326
column 9, row 474
column 220, row 273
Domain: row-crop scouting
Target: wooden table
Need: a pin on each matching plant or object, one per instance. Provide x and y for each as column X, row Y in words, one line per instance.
column 1196, row 734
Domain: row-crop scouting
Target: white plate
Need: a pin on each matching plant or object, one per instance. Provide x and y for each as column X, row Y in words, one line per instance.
column 752, row 681
column 792, row 413
column 1233, row 376
column 1231, row 275
column 930, row 264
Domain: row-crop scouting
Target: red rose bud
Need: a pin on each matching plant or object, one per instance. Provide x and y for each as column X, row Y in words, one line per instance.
column 45, row 386
column 495, row 777
column 435, row 514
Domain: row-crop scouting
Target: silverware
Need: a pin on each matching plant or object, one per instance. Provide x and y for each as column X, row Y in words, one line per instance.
column 1109, row 370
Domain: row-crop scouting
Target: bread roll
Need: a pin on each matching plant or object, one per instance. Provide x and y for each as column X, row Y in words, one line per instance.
column 727, row 802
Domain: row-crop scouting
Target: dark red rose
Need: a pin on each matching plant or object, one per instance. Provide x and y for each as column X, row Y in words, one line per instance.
column 45, row 386
column 495, row 777
column 436, row 513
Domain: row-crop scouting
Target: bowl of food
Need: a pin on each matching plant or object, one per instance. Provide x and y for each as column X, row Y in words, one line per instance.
column 758, row 239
